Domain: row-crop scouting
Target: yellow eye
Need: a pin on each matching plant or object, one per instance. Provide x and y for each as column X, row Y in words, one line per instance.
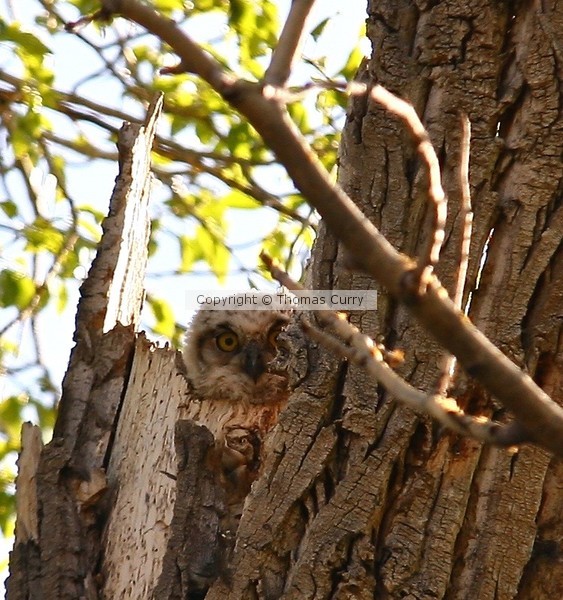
column 227, row 341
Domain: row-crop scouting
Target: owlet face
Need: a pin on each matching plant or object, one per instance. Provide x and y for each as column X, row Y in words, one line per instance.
column 227, row 354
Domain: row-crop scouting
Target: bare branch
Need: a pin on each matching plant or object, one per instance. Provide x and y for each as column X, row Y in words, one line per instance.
column 361, row 350
column 467, row 223
column 436, row 195
column 541, row 417
column 279, row 274
column 193, row 58
column 466, row 209
column 288, row 45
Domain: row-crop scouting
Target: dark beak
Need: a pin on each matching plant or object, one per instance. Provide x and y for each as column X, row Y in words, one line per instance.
column 252, row 361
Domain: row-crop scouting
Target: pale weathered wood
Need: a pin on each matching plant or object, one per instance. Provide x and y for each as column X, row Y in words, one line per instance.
column 197, row 550
column 26, row 544
column 140, row 474
column 113, row 292
column 26, row 500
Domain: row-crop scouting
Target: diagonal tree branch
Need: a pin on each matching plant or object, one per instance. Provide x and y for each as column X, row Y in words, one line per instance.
column 541, row 417
column 350, row 343
column 289, row 43
column 361, row 350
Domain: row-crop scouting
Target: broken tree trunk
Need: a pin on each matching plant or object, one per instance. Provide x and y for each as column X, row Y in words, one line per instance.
column 358, row 497
column 95, row 502
column 129, row 499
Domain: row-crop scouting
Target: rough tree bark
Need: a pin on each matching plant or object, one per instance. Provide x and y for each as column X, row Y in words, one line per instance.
column 358, row 497
column 361, row 498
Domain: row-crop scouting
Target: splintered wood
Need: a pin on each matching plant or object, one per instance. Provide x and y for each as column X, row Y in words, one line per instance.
column 141, row 473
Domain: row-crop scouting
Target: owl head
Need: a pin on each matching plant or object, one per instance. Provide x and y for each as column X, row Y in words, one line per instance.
column 227, row 355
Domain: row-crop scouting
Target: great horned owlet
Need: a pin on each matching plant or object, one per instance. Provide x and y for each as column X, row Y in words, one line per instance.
column 228, row 356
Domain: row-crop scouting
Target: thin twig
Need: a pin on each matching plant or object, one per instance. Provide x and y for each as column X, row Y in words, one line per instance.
column 288, row 45
column 25, row 166
column 466, row 209
column 193, row 58
column 51, row 10
column 177, row 153
column 449, row 360
column 361, row 350
column 293, row 244
column 436, row 195
column 279, row 274
column 542, row 417
column 71, row 238
column 425, row 149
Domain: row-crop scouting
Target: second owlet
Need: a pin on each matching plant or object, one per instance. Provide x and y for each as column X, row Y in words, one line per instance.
column 227, row 355
column 238, row 399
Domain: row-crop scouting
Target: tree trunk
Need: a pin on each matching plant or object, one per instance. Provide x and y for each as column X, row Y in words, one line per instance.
column 358, row 497
column 93, row 503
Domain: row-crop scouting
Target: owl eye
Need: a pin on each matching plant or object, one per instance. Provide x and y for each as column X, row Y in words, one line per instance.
column 227, row 341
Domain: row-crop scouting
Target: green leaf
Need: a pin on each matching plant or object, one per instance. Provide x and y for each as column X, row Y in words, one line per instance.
column 164, row 316
column 7, row 506
column 178, row 124
column 167, row 6
column 204, row 132
column 214, row 252
column 350, row 69
column 220, row 264
column 182, row 206
column 318, row 30
column 10, row 417
column 62, row 298
column 94, row 229
column 28, row 129
column 187, row 253
column 42, row 236
column 205, row 5
column 294, row 201
column 241, row 15
column 299, row 116
column 238, row 199
column 86, row 6
column 16, row 289
column 24, row 39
